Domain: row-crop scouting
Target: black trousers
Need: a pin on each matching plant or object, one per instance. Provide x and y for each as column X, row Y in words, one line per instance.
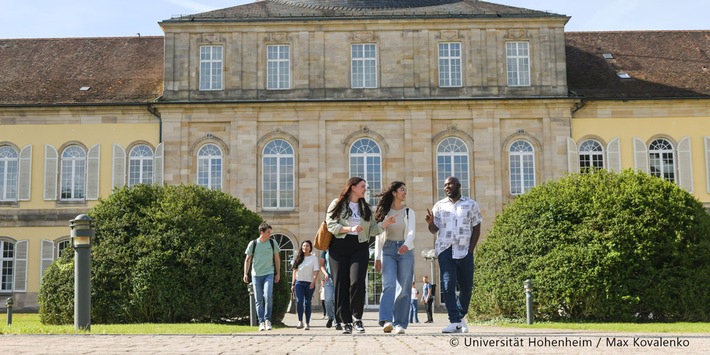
column 348, row 265
column 429, row 316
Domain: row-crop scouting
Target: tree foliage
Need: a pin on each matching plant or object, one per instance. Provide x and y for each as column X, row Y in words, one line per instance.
column 599, row 247
column 165, row 254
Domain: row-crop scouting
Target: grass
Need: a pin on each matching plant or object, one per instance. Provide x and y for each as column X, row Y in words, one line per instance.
column 675, row 328
column 28, row 323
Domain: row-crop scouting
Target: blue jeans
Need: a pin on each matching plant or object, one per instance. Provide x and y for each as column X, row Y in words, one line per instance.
column 304, row 295
column 455, row 271
column 413, row 310
column 397, row 274
column 329, row 299
column 264, row 290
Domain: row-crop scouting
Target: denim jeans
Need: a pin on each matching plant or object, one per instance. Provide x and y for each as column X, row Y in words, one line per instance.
column 455, row 271
column 414, row 311
column 304, row 295
column 329, row 299
column 397, row 275
column 264, row 290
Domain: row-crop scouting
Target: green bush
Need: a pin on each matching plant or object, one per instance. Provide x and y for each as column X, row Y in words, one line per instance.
column 598, row 247
column 168, row 254
column 56, row 293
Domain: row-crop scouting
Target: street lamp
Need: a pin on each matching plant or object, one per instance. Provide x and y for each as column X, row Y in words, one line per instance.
column 82, row 230
column 430, row 254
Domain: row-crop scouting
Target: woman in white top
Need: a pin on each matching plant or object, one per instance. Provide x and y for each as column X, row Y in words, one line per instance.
column 305, row 274
column 394, row 258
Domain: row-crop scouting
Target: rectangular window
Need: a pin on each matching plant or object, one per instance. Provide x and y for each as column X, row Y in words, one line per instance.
column 211, row 68
column 278, row 67
column 364, row 66
column 449, row 64
column 518, row 62
column 7, row 258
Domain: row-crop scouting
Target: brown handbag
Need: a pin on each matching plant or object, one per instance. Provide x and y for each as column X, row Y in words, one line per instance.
column 323, row 237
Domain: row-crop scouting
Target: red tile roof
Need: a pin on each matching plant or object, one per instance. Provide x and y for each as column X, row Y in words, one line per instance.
column 52, row 71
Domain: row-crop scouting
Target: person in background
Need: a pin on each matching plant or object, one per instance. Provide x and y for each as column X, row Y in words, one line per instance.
column 305, row 274
column 456, row 221
column 349, row 218
column 262, row 256
column 414, row 305
column 428, row 299
column 394, row 257
column 321, row 295
column 329, row 293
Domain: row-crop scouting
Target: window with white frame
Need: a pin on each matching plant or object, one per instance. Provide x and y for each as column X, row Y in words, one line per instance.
column 522, row 167
column 661, row 159
column 452, row 160
column 278, row 176
column 9, row 167
column 73, row 174
column 591, row 155
column 518, row 62
column 61, row 247
column 211, row 67
column 209, row 167
column 278, row 67
column 450, row 64
column 140, row 165
column 364, row 66
column 7, row 260
column 366, row 162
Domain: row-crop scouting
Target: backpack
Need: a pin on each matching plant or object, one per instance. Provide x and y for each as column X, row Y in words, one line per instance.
column 433, row 291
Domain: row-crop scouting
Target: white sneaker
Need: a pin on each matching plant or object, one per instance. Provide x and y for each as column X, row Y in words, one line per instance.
column 387, row 328
column 307, row 326
column 452, row 328
column 268, row 324
column 398, row 330
column 300, row 324
column 262, row 326
column 464, row 327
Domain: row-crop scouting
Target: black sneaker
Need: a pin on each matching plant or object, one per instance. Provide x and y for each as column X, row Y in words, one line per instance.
column 347, row 328
column 329, row 323
column 358, row 326
column 338, row 326
column 381, row 323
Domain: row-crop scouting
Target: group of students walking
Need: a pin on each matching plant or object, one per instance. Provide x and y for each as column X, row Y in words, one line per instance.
column 455, row 220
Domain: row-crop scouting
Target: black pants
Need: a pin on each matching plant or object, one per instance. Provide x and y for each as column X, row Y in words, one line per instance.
column 348, row 265
column 429, row 303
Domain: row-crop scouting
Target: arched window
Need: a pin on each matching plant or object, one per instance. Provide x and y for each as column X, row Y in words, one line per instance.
column 287, row 249
column 61, row 246
column 452, row 160
column 7, row 260
column 209, row 167
column 591, row 155
column 366, row 162
column 522, row 167
column 73, row 174
column 278, row 175
column 661, row 159
column 9, row 167
column 140, row 165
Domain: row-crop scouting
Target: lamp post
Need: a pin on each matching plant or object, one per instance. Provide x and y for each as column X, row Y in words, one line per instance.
column 82, row 230
column 430, row 254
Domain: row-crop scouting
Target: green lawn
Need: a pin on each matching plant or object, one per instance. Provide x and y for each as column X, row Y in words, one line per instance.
column 28, row 323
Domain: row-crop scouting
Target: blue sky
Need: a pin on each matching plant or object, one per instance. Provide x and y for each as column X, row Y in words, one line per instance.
column 109, row 18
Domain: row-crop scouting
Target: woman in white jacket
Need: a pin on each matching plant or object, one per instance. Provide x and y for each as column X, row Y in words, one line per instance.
column 394, row 258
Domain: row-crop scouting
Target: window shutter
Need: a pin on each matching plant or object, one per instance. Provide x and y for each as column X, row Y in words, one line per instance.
column 119, row 166
column 158, row 165
column 707, row 164
column 50, row 172
column 685, row 165
column 613, row 156
column 92, row 173
column 21, row 266
column 24, row 181
column 572, row 156
column 47, row 257
column 640, row 156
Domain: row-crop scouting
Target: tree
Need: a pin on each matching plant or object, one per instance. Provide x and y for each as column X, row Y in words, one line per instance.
column 600, row 247
column 168, row 254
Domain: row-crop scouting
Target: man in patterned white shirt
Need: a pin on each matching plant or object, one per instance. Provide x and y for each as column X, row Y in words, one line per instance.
column 456, row 220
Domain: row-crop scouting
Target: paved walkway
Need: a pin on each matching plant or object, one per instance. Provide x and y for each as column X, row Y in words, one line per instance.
column 421, row 338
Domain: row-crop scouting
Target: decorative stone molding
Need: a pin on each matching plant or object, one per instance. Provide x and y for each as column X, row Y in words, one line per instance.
column 277, row 133
column 449, row 35
column 516, row 33
column 211, row 38
column 277, row 37
column 452, row 131
column 366, row 36
column 365, row 132
column 209, row 138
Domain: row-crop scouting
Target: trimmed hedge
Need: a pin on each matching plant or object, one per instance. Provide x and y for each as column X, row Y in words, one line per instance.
column 598, row 247
column 163, row 254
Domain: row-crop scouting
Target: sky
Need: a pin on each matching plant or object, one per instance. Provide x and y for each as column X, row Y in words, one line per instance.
column 121, row 18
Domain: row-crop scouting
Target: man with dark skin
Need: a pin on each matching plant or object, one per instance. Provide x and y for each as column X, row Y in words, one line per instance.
column 456, row 221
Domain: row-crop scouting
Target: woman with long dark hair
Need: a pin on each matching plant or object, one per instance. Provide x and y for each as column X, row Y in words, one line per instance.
column 349, row 218
column 394, row 258
column 305, row 274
